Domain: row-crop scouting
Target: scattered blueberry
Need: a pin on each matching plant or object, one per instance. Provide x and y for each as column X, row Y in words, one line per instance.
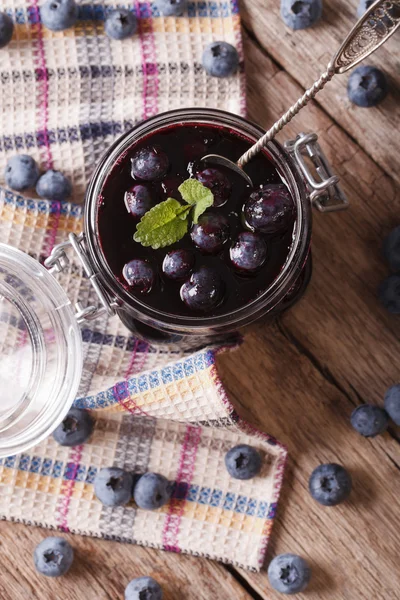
column 54, row 186
column 369, row 420
column 113, row 486
column 152, row 491
column 301, row 14
column 269, row 209
column 21, row 172
column 53, row 557
column 139, row 275
column 120, row 24
column 389, row 294
column 149, row 164
column 249, row 252
column 143, row 588
column 218, row 183
column 210, row 233
column 58, row 15
column 178, row 264
column 6, row 29
column 289, row 574
column 367, row 86
column 391, row 249
column 363, row 6
column 392, row 403
column 330, row 484
column 243, row 462
column 220, row 59
column 138, row 201
column 75, row 429
column 171, row 8
column 204, row 290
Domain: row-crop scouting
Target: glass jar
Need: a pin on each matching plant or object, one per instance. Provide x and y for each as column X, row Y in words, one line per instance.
column 155, row 325
column 40, row 340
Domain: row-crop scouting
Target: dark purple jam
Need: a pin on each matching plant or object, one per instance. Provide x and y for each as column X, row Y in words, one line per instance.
column 230, row 257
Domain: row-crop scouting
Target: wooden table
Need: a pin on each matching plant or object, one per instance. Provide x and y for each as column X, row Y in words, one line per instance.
column 300, row 378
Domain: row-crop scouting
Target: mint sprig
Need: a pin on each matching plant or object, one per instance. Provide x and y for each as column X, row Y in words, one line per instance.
column 167, row 222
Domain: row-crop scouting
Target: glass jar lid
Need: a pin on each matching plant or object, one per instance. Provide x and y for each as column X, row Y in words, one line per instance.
column 40, row 352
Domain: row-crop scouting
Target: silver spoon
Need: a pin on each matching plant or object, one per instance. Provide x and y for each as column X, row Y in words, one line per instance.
column 376, row 26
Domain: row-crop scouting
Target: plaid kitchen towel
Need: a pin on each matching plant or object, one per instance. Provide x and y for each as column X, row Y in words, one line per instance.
column 64, row 97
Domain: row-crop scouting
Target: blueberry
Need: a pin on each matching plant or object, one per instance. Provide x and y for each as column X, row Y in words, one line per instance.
column 220, row 59
column 139, row 275
column 367, row 86
column 269, row 209
column 120, row 24
column 249, row 252
column 53, row 557
column 113, row 486
column 218, row 183
column 178, row 264
column 210, row 233
column 54, row 186
column 143, row 588
column 243, row 462
column 75, row 429
column 330, row 484
column 301, row 14
column 204, row 290
column 363, row 6
column 138, row 201
column 391, row 249
column 21, row 172
column 152, row 491
column 392, row 403
column 6, row 29
column 149, row 163
column 369, row 420
column 389, row 294
column 171, row 8
column 58, row 15
column 289, row 574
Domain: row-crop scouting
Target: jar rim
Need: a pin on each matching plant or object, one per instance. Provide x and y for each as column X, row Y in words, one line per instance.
column 282, row 162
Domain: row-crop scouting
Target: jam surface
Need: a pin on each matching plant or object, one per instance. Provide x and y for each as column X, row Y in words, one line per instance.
column 238, row 278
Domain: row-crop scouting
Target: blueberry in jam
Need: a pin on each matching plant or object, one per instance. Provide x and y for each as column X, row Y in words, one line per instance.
column 138, row 201
column 218, row 183
column 229, row 255
column 211, row 232
column 269, row 209
column 249, row 252
column 139, row 275
column 204, row 290
column 149, row 163
column 178, row 264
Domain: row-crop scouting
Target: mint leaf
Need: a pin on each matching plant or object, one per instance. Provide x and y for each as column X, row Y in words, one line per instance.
column 163, row 225
column 197, row 194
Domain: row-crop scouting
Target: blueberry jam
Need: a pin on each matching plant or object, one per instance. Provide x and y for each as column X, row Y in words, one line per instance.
column 235, row 251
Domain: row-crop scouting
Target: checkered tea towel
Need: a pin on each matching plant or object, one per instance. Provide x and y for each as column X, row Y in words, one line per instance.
column 64, row 97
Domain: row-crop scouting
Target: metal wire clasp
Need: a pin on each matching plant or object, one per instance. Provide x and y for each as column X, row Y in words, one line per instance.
column 58, row 261
column 325, row 192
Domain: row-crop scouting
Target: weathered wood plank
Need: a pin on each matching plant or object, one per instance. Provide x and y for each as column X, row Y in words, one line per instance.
column 300, row 378
column 102, row 569
column 305, row 54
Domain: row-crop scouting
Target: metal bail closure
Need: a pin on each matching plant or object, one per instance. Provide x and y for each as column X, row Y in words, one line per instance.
column 58, row 261
column 325, row 192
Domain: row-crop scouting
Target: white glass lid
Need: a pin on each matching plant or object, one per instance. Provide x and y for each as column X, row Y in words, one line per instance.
column 40, row 352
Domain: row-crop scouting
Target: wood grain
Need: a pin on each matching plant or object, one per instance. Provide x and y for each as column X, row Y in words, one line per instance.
column 305, row 54
column 298, row 378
